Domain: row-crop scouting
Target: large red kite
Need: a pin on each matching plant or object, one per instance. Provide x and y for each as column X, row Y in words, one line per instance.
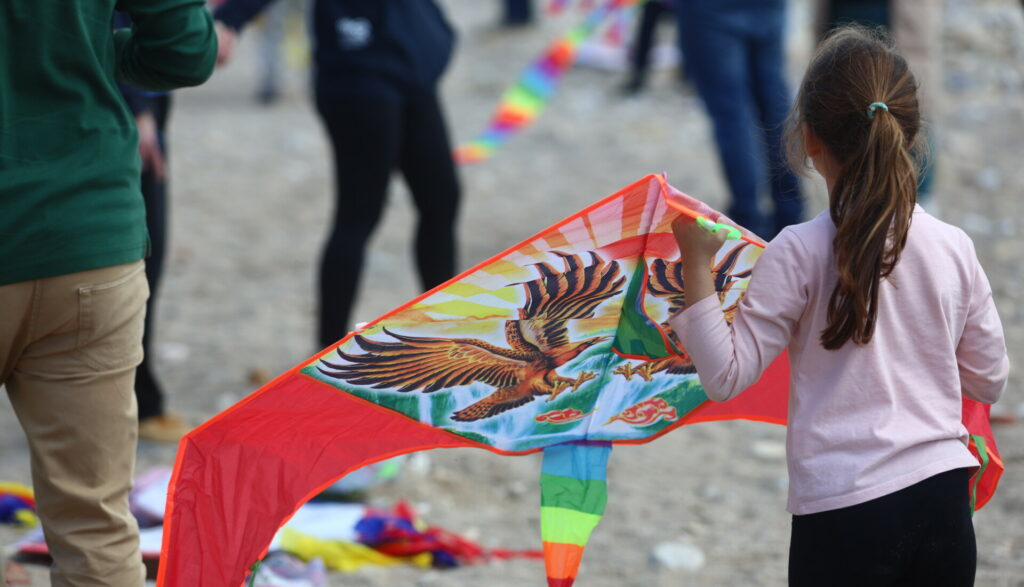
column 558, row 344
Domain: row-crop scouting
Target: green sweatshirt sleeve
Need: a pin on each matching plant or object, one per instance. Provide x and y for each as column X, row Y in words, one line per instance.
column 171, row 45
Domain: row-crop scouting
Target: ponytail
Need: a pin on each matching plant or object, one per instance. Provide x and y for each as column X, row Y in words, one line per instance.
column 860, row 99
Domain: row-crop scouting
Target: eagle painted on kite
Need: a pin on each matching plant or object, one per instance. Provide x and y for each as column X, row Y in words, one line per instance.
column 538, row 344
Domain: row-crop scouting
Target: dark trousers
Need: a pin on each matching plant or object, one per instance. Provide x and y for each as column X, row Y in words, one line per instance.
column 878, row 13
column 921, row 535
column 518, row 11
column 650, row 14
column 867, row 12
column 734, row 55
column 371, row 137
column 154, row 193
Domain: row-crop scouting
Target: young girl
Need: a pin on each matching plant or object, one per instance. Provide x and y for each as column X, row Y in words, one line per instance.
column 888, row 319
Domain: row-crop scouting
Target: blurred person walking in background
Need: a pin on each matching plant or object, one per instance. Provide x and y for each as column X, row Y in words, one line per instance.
column 377, row 69
column 916, row 27
column 273, row 34
column 517, row 13
column 734, row 54
column 271, row 38
column 72, row 239
column 651, row 13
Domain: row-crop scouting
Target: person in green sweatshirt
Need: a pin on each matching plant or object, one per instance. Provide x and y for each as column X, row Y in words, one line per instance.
column 72, row 242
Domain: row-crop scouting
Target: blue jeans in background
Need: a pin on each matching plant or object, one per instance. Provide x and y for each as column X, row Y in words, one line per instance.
column 734, row 53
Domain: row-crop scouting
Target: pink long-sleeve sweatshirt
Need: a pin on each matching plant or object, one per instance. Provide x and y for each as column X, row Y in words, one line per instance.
column 864, row 420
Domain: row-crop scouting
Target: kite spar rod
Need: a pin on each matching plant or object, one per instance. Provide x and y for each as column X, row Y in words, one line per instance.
column 704, row 222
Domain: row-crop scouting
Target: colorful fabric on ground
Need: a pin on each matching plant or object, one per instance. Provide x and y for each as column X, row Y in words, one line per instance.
column 17, row 504
column 559, row 339
column 522, row 103
column 398, row 532
column 340, row 555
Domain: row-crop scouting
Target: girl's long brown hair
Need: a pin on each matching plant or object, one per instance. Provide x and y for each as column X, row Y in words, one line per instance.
column 874, row 194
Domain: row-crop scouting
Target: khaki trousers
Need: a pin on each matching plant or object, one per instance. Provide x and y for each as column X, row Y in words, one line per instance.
column 69, row 346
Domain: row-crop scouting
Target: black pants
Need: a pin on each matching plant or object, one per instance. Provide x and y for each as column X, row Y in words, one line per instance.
column 650, row 14
column 518, row 11
column 921, row 535
column 154, row 193
column 370, row 138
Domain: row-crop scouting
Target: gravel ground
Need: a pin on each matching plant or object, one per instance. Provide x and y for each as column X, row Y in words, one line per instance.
column 250, row 198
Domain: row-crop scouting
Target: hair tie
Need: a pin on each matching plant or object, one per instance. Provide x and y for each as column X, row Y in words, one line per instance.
column 874, row 106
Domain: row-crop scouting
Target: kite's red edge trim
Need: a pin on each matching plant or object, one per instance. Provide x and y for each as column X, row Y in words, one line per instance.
column 996, row 475
column 165, row 539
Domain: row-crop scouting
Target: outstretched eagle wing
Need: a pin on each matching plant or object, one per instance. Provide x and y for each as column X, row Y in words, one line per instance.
column 666, row 281
column 426, row 363
column 723, row 271
column 556, row 297
column 494, row 404
column 726, row 278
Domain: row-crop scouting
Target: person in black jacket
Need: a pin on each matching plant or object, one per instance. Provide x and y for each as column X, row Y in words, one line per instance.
column 377, row 66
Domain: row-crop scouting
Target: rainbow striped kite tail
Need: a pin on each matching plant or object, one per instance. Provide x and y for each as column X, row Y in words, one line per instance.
column 574, row 492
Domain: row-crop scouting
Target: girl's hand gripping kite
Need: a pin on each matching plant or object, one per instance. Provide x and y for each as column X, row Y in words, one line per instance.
column 714, row 227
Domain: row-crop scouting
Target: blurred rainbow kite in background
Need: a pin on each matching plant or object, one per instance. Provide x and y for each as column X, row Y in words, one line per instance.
column 522, row 103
